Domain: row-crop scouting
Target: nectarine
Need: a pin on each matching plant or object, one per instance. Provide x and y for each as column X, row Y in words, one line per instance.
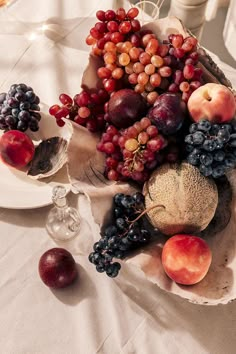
column 186, row 258
column 212, row 101
column 16, row 148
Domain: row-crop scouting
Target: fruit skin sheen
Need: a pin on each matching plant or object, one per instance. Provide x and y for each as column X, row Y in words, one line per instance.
column 212, row 101
column 16, row 149
column 186, row 258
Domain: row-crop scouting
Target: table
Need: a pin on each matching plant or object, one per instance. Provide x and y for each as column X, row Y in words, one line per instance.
column 127, row 315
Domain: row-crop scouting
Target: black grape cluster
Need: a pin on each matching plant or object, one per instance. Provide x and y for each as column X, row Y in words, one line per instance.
column 126, row 233
column 19, row 109
column 212, row 147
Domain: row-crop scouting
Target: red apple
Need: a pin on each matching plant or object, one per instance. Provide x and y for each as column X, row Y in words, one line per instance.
column 212, row 101
column 186, row 259
column 57, row 268
column 16, row 148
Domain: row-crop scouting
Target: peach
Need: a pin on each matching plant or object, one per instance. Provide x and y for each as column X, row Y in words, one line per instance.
column 212, row 101
column 186, row 258
column 16, row 148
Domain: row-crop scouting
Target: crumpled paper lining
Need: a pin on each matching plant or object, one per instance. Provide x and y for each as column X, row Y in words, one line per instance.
column 85, row 170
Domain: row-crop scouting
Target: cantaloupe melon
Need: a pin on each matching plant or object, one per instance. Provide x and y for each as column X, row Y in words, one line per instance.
column 188, row 199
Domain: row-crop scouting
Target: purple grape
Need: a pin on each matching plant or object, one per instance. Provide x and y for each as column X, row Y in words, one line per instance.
column 13, row 87
column 21, row 87
column 12, row 102
column 10, row 120
column 35, row 107
column 36, row 115
column 20, row 96
column 22, row 126
column 15, row 112
column 30, row 95
column 6, row 110
column 24, row 106
column 2, row 97
column 37, row 100
column 24, row 116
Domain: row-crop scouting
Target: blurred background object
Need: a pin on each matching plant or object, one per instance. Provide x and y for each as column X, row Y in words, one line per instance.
column 191, row 12
column 229, row 33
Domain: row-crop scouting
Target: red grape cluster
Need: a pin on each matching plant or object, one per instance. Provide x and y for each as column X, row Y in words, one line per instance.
column 152, row 66
column 137, row 58
column 113, row 27
column 132, row 153
column 86, row 109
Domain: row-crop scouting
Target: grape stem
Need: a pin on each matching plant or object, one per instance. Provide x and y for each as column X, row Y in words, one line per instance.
column 146, row 211
column 140, row 215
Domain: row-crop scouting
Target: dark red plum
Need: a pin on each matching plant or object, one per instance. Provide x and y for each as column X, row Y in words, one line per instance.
column 57, row 268
column 168, row 113
column 125, row 107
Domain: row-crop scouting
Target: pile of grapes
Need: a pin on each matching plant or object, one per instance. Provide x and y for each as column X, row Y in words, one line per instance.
column 133, row 152
column 127, row 232
column 211, row 147
column 86, row 109
column 19, row 109
column 138, row 58
column 135, row 59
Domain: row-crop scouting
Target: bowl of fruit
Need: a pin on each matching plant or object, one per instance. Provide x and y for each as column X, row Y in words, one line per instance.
column 154, row 126
column 153, row 147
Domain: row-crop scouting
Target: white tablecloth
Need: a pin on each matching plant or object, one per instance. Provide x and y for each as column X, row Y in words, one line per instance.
column 125, row 315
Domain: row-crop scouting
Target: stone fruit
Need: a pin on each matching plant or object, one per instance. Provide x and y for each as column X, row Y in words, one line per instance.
column 16, row 148
column 168, row 113
column 57, row 268
column 186, row 259
column 178, row 198
column 125, row 107
column 212, row 101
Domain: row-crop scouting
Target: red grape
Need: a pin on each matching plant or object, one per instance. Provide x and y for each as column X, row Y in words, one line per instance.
column 60, row 122
column 101, row 27
column 54, row 109
column 112, row 26
column 177, row 40
column 62, row 113
column 135, row 25
column 111, row 163
column 120, row 14
column 117, row 37
column 110, row 15
column 125, row 27
column 65, row 99
column 103, row 73
column 135, row 39
column 113, row 175
column 133, row 12
column 95, row 33
column 188, row 71
column 101, row 15
column 110, row 85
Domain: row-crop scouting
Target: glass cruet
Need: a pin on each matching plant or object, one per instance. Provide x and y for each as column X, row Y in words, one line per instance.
column 63, row 221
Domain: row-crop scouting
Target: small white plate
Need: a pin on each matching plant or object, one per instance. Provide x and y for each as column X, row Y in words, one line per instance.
column 18, row 191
